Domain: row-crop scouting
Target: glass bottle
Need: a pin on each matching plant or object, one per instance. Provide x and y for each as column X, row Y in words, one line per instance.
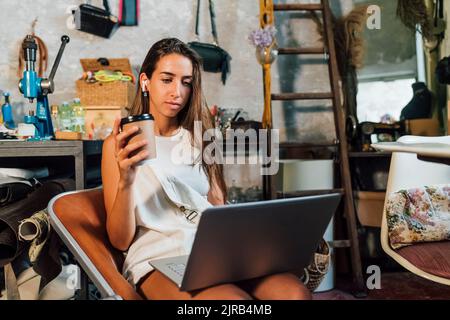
column 78, row 117
column 7, row 113
column 55, row 117
column 65, row 117
column 234, row 193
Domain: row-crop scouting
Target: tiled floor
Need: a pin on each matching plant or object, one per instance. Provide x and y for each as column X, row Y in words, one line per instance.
column 396, row 286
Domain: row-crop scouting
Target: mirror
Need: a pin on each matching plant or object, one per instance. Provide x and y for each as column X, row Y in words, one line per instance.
column 394, row 90
column 390, row 67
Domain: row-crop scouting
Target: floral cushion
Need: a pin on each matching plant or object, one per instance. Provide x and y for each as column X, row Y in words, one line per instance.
column 418, row 215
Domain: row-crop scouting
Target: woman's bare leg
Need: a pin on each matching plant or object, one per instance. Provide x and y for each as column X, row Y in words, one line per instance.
column 282, row 286
column 156, row 286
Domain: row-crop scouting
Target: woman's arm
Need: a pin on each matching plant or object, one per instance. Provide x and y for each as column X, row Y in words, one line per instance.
column 215, row 195
column 118, row 174
column 120, row 221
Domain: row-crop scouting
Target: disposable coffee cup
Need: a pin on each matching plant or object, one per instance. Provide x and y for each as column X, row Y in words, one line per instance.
column 145, row 123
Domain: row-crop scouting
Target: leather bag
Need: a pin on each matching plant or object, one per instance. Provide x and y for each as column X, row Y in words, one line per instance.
column 214, row 58
column 95, row 20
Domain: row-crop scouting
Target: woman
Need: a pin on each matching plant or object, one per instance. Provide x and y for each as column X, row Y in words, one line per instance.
column 171, row 75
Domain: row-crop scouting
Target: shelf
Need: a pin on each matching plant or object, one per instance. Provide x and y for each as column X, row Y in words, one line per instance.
column 369, row 154
column 78, row 149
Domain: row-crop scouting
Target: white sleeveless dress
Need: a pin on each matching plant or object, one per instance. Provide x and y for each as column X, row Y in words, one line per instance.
column 160, row 234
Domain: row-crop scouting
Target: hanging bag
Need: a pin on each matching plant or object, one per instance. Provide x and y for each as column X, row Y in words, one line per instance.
column 95, row 20
column 316, row 271
column 214, row 58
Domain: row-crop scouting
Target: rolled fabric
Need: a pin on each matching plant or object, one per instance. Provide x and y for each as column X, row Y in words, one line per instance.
column 35, row 227
column 11, row 215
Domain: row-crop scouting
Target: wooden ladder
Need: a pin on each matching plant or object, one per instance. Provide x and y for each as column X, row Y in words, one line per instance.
column 359, row 288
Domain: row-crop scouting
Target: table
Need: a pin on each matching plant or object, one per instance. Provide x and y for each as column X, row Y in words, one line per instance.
column 433, row 152
column 53, row 148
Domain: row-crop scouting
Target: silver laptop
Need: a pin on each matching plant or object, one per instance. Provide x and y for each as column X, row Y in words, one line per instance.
column 250, row 240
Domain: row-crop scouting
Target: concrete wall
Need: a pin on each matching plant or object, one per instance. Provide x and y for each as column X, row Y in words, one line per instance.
column 235, row 20
column 174, row 18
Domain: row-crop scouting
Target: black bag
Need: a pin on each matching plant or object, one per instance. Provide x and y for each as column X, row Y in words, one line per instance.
column 214, row 58
column 97, row 21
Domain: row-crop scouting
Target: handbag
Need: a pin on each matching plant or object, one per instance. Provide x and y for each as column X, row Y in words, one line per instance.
column 214, row 58
column 316, row 271
column 97, row 21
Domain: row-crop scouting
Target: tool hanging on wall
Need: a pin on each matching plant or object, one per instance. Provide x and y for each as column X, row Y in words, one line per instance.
column 42, row 57
column 34, row 87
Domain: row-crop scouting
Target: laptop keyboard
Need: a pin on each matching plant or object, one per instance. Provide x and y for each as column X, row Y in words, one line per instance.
column 178, row 268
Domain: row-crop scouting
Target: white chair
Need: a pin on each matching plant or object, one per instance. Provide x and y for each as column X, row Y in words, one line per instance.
column 429, row 260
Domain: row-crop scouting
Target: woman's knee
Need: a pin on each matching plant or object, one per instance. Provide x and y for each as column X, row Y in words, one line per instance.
column 284, row 286
column 222, row 292
column 298, row 292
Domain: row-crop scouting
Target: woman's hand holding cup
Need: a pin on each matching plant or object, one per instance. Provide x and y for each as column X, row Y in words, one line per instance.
column 128, row 153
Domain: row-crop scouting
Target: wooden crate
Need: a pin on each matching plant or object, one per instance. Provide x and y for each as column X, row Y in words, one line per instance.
column 117, row 93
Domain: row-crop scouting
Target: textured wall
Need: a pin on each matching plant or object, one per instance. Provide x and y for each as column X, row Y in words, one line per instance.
column 159, row 19
column 235, row 20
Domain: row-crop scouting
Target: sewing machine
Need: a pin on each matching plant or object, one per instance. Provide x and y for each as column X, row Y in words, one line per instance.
column 384, row 132
column 33, row 87
column 360, row 134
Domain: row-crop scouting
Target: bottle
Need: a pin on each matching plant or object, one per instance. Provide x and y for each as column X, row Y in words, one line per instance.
column 55, row 117
column 78, row 117
column 234, row 193
column 7, row 113
column 65, row 117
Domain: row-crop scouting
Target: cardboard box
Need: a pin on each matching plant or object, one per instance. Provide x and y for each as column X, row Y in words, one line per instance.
column 99, row 120
column 369, row 207
column 67, row 135
column 116, row 93
column 424, row 127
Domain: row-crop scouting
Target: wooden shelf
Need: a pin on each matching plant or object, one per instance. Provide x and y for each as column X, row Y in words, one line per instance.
column 369, row 154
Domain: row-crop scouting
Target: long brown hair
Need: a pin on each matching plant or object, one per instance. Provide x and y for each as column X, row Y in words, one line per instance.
column 196, row 108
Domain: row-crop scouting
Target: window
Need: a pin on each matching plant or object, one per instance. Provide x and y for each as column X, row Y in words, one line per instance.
column 390, row 66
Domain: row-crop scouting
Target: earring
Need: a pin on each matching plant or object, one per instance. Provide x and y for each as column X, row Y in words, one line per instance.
column 145, row 97
column 144, row 85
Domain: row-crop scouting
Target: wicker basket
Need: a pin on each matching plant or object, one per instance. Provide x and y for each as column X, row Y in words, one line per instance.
column 117, row 93
column 318, row 268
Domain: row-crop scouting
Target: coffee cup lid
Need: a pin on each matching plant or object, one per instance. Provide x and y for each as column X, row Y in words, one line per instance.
column 141, row 117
